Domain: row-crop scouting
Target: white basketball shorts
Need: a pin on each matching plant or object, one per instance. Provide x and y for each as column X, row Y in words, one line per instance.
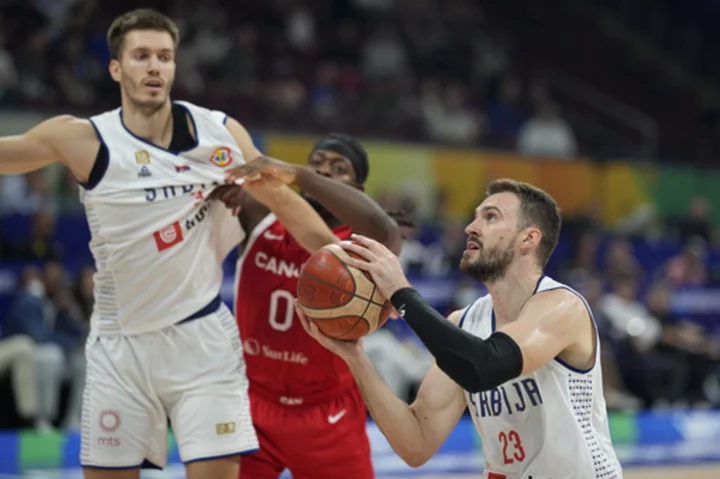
column 192, row 373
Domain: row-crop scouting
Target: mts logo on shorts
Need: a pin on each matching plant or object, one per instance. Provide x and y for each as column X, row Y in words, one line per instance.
column 109, row 423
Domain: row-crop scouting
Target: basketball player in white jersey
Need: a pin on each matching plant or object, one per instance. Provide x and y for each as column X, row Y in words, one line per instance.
column 524, row 359
column 162, row 345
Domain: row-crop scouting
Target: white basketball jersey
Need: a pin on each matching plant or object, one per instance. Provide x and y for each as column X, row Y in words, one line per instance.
column 550, row 424
column 158, row 243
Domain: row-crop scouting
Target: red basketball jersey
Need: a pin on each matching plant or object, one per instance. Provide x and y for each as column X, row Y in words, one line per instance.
column 282, row 359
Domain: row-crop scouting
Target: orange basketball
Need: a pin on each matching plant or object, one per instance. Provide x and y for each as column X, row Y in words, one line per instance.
column 343, row 301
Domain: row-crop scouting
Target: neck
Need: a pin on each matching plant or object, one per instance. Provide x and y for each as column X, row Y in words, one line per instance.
column 511, row 292
column 154, row 126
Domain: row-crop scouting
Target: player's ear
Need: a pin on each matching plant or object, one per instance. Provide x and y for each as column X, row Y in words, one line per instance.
column 114, row 69
column 532, row 237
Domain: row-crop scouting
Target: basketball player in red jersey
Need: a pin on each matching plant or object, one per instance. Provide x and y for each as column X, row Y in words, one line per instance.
column 306, row 408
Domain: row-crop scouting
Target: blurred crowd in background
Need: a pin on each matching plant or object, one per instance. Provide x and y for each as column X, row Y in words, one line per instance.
column 452, row 72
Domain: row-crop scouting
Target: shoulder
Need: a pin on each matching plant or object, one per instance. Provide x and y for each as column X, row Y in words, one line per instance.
column 242, row 137
column 561, row 298
column 557, row 308
column 59, row 127
column 70, row 137
column 456, row 316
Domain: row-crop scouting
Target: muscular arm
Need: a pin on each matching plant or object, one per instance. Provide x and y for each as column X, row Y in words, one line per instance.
column 414, row 431
column 61, row 139
column 549, row 324
column 32, row 150
column 352, row 207
column 296, row 214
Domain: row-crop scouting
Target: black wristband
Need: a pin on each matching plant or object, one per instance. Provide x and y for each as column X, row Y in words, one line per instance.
column 401, row 297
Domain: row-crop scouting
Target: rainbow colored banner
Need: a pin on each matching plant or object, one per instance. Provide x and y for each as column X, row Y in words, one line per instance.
column 616, row 188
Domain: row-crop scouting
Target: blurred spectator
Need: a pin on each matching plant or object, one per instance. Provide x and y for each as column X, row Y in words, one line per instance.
column 240, row 64
column 56, row 334
column 5, row 247
column 616, row 395
column 689, row 267
column 25, row 194
column 419, row 259
column 41, row 245
column 77, row 72
column 697, row 222
column 685, row 341
column 448, row 116
column 300, row 29
column 67, row 195
column 375, row 5
column 649, row 373
column 8, row 73
column 547, row 134
column 17, row 357
column 402, row 364
column 620, row 260
column 383, row 54
column 505, row 112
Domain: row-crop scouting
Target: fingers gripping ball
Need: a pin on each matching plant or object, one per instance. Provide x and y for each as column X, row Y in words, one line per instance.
column 341, row 300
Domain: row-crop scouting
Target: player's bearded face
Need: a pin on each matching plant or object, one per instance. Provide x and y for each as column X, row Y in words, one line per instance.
column 488, row 263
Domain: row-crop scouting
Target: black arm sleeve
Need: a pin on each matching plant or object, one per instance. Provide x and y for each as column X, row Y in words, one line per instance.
column 475, row 364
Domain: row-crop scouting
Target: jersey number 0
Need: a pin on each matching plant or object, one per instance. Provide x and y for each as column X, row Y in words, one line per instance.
column 281, row 310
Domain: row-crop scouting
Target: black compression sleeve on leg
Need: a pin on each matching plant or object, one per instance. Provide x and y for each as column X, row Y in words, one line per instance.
column 475, row 364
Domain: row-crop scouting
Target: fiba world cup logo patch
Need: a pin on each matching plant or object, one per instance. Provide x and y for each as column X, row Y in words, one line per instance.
column 222, row 157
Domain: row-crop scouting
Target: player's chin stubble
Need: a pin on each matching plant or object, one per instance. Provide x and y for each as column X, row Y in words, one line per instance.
column 147, row 105
column 490, row 267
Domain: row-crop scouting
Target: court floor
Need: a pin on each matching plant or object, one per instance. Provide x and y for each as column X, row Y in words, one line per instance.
column 711, row 471
column 650, row 473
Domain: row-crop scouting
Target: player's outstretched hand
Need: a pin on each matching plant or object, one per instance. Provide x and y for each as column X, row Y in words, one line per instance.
column 264, row 171
column 344, row 349
column 380, row 262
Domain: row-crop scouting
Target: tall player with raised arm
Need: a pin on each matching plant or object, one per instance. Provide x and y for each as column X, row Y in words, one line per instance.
column 524, row 358
column 162, row 345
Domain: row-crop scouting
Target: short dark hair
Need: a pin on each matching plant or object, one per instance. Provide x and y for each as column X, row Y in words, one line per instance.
column 140, row 19
column 537, row 209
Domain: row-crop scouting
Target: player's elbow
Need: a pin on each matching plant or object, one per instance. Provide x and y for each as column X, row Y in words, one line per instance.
column 387, row 232
column 416, row 461
column 394, row 239
column 413, row 457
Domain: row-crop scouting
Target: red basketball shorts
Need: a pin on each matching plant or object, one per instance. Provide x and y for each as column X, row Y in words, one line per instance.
column 318, row 441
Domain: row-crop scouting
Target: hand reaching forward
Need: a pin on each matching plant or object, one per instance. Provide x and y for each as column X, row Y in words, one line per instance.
column 263, row 171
